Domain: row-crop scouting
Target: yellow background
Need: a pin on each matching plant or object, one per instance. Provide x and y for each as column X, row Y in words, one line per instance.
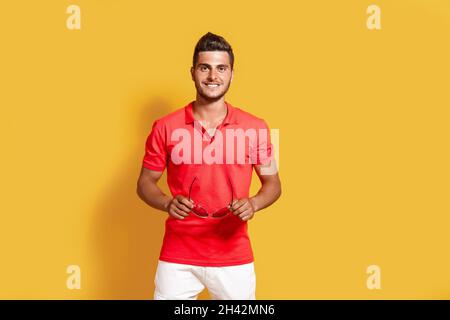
column 364, row 135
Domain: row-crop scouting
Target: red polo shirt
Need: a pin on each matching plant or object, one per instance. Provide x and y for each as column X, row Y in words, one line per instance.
column 179, row 143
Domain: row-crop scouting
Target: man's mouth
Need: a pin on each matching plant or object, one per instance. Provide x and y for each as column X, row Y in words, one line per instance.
column 212, row 85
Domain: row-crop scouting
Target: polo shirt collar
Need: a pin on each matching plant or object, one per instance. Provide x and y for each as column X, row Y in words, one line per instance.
column 229, row 119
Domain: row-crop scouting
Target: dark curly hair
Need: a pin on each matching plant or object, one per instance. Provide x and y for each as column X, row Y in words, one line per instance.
column 213, row 42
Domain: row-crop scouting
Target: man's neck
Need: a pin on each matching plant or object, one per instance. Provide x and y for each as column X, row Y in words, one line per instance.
column 209, row 111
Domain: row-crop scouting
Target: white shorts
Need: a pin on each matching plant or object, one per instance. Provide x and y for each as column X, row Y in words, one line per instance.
column 175, row 281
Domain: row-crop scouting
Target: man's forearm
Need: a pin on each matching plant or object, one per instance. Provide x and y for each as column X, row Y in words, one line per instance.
column 267, row 194
column 151, row 194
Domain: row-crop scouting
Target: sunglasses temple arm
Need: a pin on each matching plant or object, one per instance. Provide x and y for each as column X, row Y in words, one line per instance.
column 232, row 191
column 190, row 188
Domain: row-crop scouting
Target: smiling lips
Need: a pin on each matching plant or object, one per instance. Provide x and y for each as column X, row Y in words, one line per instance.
column 212, row 85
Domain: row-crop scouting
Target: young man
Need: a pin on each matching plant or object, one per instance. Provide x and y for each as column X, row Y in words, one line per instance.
column 206, row 243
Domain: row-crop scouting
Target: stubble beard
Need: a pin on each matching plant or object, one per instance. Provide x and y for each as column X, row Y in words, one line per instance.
column 209, row 98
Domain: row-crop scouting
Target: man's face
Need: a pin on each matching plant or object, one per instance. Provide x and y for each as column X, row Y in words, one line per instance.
column 212, row 74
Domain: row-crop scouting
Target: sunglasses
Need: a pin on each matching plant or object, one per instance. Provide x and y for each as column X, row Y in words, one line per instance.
column 201, row 212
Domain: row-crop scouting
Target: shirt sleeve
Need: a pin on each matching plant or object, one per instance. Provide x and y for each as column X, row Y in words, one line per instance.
column 264, row 147
column 155, row 157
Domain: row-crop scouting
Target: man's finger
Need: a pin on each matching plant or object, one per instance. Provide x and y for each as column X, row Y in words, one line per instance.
column 241, row 208
column 180, row 212
column 183, row 208
column 175, row 215
column 246, row 215
column 186, row 202
column 243, row 217
column 237, row 205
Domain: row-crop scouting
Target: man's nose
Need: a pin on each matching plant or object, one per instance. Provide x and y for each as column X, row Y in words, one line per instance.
column 212, row 75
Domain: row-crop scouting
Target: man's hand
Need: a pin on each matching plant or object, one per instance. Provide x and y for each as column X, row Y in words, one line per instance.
column 244, row 209
column 179, row 207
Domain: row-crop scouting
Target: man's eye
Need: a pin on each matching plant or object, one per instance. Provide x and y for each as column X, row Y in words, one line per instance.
column 222, row 69
column 203, row 68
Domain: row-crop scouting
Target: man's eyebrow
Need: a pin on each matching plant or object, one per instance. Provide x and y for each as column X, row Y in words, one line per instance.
column 208, row 65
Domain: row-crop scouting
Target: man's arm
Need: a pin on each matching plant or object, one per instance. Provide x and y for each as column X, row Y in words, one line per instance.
column 269, row 192
column 150, row 193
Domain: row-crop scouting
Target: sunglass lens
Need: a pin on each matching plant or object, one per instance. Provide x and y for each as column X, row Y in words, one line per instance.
column 200, row 211
column 221, row 213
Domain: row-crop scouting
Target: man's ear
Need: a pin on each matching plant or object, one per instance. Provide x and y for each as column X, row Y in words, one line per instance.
column 192, row 73
column 232, row 73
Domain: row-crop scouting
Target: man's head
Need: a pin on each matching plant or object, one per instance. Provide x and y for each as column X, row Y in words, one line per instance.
column 212, row 68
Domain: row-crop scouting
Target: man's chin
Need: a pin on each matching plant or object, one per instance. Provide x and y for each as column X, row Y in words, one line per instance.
column 211, row 98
